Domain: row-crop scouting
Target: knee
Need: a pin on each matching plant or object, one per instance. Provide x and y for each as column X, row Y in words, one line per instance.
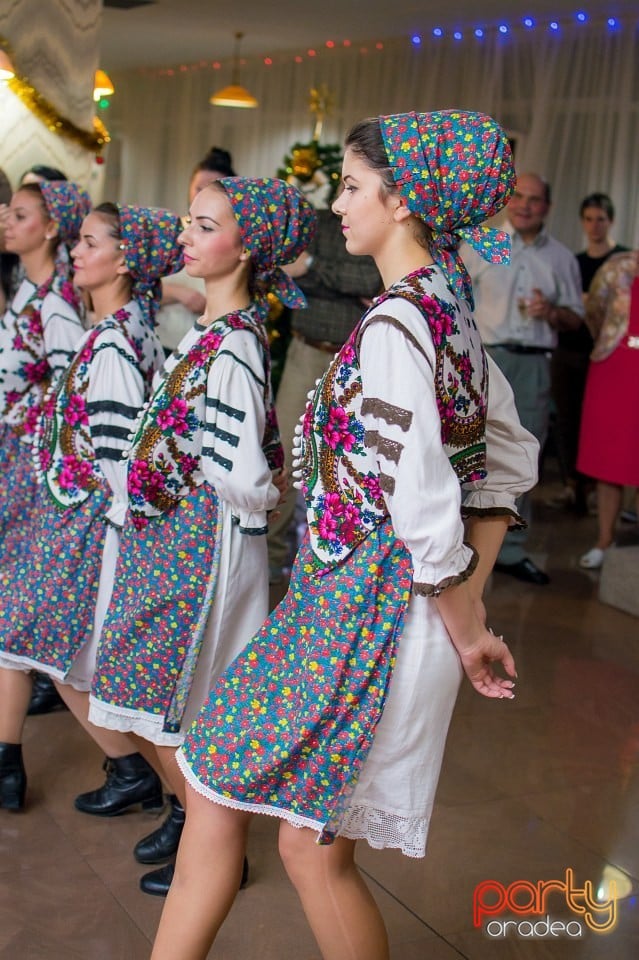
column 296, row 852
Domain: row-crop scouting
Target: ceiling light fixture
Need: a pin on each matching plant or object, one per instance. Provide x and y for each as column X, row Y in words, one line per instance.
column 234, row 95
column 102, row 85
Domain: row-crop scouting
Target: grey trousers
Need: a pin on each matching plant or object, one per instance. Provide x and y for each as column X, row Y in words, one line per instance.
column 529, row 377
column 303, row 366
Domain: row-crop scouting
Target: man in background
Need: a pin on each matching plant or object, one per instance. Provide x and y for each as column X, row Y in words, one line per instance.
column 519, row 309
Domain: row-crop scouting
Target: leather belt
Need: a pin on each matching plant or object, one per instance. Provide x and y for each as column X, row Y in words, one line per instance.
column 324, row 345
column 519, row 348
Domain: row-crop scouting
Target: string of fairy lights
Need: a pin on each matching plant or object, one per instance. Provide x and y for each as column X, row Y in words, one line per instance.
column 501, row 30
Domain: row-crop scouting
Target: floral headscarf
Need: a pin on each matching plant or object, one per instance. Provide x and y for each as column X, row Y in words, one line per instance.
column 454, row 169
column 67, row 205
column 148, row 237
column 276, row 224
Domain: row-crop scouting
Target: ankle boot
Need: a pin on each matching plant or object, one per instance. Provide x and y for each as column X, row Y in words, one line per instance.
column 44, row 697
column 129, row 780
column 13, row 779
column 163, row 842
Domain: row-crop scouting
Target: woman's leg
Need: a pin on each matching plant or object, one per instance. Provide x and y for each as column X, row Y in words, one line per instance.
column 112, row 742
column 15, row 694
column 207, row 878
column 168, row 768
column 338, row 905
column 608, row 507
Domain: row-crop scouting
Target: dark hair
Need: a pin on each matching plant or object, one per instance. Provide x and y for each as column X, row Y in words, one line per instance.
column 600, row 200
column 47, row 173
column 216, row 160
column 366, row 141
column 110, row 212
column 5, row 188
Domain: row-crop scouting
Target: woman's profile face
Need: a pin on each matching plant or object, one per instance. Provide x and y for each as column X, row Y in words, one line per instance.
column 28, row 226
column 97, row 258
column 211, row 239
column 366, row 212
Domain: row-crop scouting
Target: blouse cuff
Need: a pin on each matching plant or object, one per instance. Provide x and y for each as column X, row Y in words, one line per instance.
column 427, row 584
column 481, row 503
column 253, row 523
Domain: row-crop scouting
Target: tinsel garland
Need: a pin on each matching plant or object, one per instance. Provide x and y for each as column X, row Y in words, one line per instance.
column 45, row 111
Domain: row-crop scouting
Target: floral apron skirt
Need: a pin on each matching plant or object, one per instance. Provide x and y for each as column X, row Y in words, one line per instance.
column 164, row 587
column 19, row 494
column 48, row 593
column 288, row 725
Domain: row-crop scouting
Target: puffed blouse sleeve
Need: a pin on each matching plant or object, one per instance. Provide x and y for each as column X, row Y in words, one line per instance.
column 403, row 431
column 115, row 395
column 512, row 457
column 62, row 330
column 233, row 460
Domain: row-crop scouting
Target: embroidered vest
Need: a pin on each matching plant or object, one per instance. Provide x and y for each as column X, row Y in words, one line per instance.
column 64, row 453
column 338, row 474
column 165, row 457
column 25, row 383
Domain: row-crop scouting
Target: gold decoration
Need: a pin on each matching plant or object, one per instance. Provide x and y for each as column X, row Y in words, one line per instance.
column 321, row 104
column 45, row 111
column 304, row 162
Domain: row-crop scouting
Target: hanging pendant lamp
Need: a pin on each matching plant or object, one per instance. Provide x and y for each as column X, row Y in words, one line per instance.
column 234, row 95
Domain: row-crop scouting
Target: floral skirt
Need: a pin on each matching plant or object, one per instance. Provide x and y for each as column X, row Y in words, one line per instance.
column 48, row 593
column 19, row 494
column 164, row 588
column 288, row 725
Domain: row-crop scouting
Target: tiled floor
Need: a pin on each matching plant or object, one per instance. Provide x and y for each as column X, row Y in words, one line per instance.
column 529, row 789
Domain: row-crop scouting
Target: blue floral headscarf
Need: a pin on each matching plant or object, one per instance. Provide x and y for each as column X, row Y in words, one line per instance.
column 276, row 224
column 454, row 169
column 148, row 237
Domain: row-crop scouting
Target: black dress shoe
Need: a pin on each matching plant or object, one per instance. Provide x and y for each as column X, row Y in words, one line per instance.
column 162, row 844
column 44, row 696
column 13, row 779
column 129, row 781
column 157, row 882
column 524, row 570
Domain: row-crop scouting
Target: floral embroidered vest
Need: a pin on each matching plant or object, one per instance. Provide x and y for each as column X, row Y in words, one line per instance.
column 339, row 475
column 165, row 457
column 65, row 457
column 26, row 382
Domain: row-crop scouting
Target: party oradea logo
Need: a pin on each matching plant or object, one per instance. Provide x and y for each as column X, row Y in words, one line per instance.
column 547, row 909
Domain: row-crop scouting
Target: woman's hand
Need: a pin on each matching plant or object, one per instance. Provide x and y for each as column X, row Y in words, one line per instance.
column 280, row 480
column 478, row 661
column 477, row 646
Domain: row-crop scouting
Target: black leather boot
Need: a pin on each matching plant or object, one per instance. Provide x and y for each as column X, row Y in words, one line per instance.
column 163, row 842
column 157, row 882
column 13, row 779
column 44, row 696
column 129, row 780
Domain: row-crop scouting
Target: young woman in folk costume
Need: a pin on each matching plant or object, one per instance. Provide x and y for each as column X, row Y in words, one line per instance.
column 192, row 578
column 38, row 336
column 53, row 596
column 39, row 332
column 334, row 717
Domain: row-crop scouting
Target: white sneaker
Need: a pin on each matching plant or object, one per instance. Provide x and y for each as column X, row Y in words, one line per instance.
column 593, row 559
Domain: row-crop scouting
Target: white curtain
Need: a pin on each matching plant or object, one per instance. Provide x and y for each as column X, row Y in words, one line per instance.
column 571, row 102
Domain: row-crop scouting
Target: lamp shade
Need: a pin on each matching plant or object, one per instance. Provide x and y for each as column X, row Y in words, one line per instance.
column 233, row 96
column 102, row 85
column 7, row 71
